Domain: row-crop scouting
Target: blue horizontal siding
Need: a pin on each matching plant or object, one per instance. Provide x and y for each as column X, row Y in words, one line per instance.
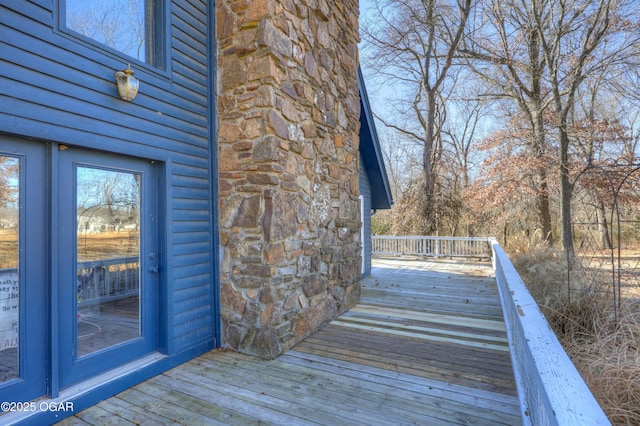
column 190, row 204
column 182, row 192
column 195, row 291
column 187, row 237
column 193, row 334
column 192, row 248
column 195, row 314
column 32, row 10
column 191, row 181
column 183, row 276
column 365, row 191
column 62, row 88
column 190, row 260
column 39, row 41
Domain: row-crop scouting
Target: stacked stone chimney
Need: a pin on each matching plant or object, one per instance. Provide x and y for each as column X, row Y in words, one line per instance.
column 288, row 121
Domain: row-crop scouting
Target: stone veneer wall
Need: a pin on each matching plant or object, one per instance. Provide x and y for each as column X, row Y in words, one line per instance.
column 288, row 110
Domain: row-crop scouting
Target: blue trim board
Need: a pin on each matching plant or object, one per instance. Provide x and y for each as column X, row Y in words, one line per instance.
column 113, row 387
column 371, row 153
column 213, row 175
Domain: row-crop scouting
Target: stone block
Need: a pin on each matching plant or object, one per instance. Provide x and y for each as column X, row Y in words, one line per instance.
column 267, row 149
column 273, row 38
column 257, row 11
column 278, row 125
column 232, row 299
column 227, row 23
column 263, row 67
column 313, row 285
column 231, row 72
column 266, row 343
column 274, row 254
column 248, row 213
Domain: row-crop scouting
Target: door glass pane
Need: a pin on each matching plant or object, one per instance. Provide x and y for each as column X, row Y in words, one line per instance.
column 120, row 24
column 9, row 273
column 108, row 258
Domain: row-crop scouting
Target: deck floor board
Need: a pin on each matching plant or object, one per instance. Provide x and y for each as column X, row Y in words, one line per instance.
column 426, row 345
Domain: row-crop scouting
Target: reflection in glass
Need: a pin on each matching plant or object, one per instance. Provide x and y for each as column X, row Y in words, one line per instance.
column 9, row 273
column 108, row 258
column 119, row 24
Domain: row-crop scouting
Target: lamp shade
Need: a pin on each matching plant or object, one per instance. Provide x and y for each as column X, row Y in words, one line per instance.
column 127, row 84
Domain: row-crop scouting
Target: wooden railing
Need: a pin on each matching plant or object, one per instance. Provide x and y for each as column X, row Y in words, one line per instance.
column 103, row 280
column 551, row 390
column 431, row 246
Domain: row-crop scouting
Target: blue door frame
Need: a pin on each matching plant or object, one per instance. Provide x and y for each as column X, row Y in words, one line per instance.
column 32, row 271
column 75, row 366
column 47, row 268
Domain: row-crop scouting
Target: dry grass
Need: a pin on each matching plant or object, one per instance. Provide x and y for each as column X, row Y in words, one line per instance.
column 90, row 246
column 107, row 245
column 604, row 349
column 8, row 248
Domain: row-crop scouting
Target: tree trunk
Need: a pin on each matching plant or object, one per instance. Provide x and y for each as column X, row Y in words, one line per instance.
column 427, row 163
column 566, row 189
column 603, row 227
column 544, row 208
column 539, row 141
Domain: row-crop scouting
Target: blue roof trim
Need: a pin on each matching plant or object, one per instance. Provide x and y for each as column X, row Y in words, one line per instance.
column 371, row 153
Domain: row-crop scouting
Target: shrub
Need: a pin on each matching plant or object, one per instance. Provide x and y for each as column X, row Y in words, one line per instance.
column 604, row 349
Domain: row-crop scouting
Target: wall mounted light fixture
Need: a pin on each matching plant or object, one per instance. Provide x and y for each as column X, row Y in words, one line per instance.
column 127, row 84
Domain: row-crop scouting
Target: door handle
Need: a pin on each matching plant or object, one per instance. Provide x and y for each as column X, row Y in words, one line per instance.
column 153, row 269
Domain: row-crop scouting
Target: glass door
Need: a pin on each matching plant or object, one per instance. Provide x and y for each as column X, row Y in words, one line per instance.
column 107, row 261
column 23, row 270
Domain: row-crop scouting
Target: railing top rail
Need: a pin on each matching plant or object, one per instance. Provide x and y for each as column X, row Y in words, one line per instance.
column 550, row 388
column 108, row 262
column 431, row 237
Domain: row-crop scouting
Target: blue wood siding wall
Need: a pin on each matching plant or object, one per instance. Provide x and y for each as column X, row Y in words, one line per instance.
column 365, row 191
column 57, row 87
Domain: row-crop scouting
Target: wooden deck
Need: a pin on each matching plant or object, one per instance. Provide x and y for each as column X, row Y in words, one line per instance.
column 425, row 346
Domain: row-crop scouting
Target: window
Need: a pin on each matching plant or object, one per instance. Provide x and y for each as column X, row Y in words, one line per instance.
column 132, row 27
column 9, row 270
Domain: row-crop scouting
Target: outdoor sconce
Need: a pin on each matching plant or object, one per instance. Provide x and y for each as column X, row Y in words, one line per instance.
column 127, row 84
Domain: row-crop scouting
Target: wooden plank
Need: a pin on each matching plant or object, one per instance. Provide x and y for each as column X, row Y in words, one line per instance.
column 166, row 390
column 471, row 371
column 421, row 332
column 507, row 404
column 473, row 397
column 167, row 409
column 425, row 336
column 381, row 363
column 257, row 396
column 236, row 407
column 99, row 416
column 406, row 316
column 74, row 421
column 288, row 395
column 137, row 415
column 348, row 396
column 416, row 353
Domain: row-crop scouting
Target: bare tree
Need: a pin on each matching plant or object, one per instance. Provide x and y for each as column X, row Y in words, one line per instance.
column 539, row 53
column 119, row 24
column 9, row 169
column 569, row 34
column 505, row 52
column 401, row 158
column 412, row 43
